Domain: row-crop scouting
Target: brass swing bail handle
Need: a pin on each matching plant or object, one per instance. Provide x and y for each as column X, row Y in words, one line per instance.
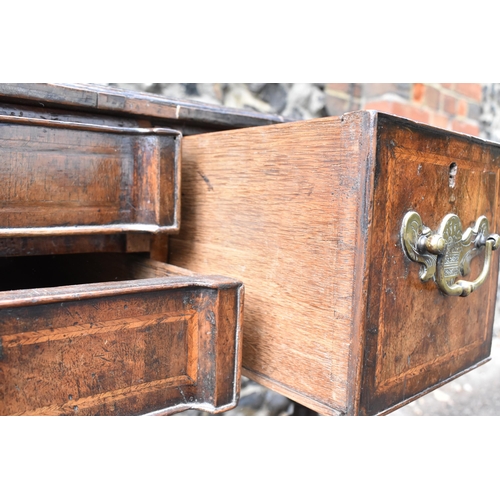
column 446, row 254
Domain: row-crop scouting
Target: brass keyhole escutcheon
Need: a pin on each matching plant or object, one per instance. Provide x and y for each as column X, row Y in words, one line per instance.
column 446, row 254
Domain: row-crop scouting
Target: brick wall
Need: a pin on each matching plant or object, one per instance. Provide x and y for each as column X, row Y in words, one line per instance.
column 453, row 106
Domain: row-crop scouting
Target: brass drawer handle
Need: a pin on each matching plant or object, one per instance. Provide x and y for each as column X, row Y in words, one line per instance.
column 446, row 254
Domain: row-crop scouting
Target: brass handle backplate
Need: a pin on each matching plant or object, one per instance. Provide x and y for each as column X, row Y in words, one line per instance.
column 446, row 254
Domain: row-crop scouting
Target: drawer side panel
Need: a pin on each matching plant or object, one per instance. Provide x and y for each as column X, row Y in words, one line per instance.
column 278, row 208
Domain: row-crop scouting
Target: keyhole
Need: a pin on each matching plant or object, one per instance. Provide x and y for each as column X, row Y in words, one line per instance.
column 453, row 173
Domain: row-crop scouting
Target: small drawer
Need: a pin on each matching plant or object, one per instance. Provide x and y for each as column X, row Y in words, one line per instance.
column 116, row 334
column 66, row 178
column 310, row 216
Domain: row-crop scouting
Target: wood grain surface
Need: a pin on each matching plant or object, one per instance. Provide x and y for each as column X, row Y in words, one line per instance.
column 133, row 336
column 73, row 178
column 115, row 108
column 279, row 208
column 102, row 99
column 416, row 337
column 308, row 216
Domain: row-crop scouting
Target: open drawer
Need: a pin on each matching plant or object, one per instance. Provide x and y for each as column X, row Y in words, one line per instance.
column 311, row 217
column 116, row 334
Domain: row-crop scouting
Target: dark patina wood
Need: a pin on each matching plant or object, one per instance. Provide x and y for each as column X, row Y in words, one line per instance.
column 72, row 178
column 308, row 215
column 116, row 335
column 116, row 108
column 416, row 337
column 187, row 116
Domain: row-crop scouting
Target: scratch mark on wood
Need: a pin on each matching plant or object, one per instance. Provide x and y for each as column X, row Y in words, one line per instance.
column 207, row 181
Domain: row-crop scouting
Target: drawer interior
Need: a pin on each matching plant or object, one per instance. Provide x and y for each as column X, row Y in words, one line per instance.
column 48, row 271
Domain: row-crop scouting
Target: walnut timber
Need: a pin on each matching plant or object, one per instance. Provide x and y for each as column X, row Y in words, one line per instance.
column 116, row 335
column 100, row 99
column 71, row 178
column 308, row 215
column 92, row 322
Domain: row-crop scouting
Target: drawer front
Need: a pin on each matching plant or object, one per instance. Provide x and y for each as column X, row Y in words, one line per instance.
column 157, row 345
column 67, row 178
column 417, row 336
